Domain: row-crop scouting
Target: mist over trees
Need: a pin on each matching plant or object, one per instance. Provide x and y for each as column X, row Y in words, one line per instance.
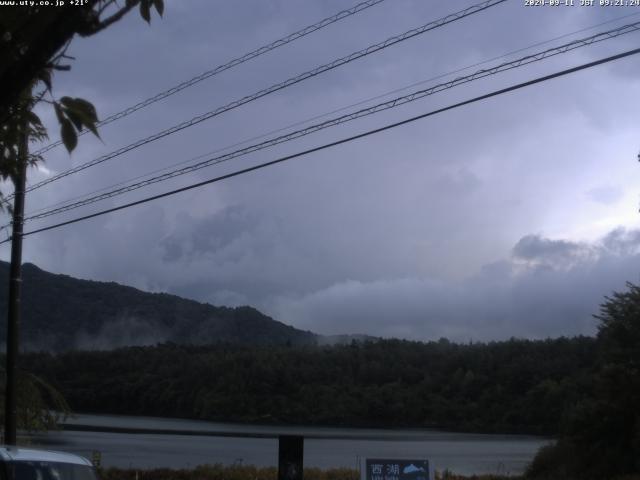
column 584, row 391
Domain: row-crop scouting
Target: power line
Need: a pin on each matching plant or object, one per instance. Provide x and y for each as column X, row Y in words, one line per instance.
column 495, row 93
column 396, row 102
column 341, row 109
column 345, row 118
column 276, row 87
column 226, row 66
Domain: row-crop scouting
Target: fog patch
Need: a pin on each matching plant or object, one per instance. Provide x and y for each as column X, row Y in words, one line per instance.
column 123, row 332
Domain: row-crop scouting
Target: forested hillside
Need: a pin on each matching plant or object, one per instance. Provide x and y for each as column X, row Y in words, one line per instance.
column 63, row 313
column 513, row 386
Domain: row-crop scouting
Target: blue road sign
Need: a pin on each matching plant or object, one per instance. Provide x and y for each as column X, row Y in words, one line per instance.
column 398, row 469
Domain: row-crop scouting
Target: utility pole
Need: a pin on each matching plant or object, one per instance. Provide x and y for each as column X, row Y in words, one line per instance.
column 15, row 284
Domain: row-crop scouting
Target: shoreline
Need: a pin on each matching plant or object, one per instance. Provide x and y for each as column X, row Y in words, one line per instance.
column 107, row 423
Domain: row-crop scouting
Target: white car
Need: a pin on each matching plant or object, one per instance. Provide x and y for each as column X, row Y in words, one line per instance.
column 17, row 463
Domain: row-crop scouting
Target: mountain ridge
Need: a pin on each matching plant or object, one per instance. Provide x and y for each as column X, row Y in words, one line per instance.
column 61, row 313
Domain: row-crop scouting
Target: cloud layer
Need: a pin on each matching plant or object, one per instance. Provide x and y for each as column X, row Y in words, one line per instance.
column 547, row 288
column 497, row 219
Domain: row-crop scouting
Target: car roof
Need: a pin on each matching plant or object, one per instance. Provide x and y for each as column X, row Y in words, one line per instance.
column 9, row 453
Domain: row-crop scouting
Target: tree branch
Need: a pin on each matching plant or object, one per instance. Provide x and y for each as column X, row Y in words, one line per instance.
column 112, row 19
column 106, row 5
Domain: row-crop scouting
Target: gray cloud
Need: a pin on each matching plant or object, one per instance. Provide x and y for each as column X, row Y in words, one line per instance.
column 622, row 242
column 551, row 253
column 393, row 235
column 556, row 296
column 221, row 231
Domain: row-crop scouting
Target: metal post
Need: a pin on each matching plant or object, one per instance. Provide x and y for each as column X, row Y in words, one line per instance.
column 15, row 283
column 290, row 454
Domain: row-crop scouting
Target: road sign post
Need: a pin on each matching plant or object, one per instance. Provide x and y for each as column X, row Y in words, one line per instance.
column 290, row 455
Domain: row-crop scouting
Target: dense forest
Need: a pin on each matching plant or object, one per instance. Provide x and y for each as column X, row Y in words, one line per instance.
column 514, row 386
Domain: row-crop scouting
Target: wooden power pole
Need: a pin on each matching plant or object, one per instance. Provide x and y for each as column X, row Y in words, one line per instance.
column 15, row 284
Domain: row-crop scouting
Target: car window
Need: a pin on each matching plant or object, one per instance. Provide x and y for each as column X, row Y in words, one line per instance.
column 23, row 470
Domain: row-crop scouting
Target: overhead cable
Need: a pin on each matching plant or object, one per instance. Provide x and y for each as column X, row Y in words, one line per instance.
column 226, row 66
column 274, row 88
column 326, row 114
column 396, row 102
column 494, row 93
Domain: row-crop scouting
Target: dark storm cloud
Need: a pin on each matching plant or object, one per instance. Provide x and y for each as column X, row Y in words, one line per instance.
column 534, row 248
column 393, row 235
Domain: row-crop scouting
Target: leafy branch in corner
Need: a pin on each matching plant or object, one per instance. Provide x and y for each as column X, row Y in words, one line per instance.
column 33, row 46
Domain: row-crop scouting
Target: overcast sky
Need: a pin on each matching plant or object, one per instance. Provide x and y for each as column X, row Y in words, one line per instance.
column 509, row 217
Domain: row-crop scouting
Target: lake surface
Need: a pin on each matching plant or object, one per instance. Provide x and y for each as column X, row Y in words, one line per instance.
column 145, row 442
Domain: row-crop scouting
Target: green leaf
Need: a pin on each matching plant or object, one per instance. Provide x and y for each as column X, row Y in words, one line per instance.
column 58, row 110
column 94, row 130
column 159, row 4
column 81, row 119
column 68, row 134
column 92, row 126
column 67, row 101
column 86, row 108
column 34, row 120
column 145, row 10
column 81, row 113
column 75, row 118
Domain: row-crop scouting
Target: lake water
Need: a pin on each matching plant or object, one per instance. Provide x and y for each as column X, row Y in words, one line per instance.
column 144, row 442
